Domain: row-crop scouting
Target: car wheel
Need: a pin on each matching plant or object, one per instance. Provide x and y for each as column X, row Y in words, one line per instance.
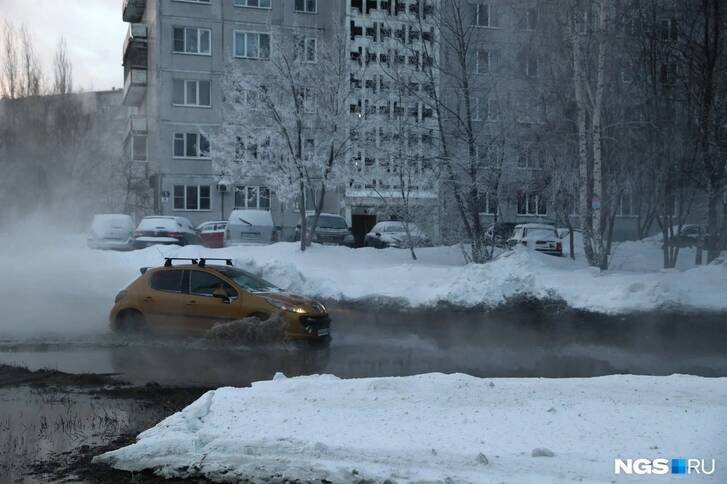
column 130, row 322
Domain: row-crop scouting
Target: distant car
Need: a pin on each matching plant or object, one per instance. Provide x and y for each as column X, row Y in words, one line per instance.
column 212, row 234
column 190, row 298
column 541, row 237
column 247, row 226
column 331, row 229
column 393, row 234
column 690, row 235
column 157, row 229
column 112, row 231
column 500, row 232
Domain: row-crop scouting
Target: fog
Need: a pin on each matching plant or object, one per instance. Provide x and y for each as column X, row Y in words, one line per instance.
column 51, row 283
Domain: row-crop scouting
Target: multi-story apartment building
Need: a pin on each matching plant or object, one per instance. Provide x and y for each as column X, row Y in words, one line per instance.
column 390, row 44
column 175, row 56
column 177, row 52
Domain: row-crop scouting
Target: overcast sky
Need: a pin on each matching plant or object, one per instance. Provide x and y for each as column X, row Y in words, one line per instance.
column 93, row 29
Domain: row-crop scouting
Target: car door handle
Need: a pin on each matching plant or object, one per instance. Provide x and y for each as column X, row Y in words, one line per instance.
column 191, row 302
column 148, row 299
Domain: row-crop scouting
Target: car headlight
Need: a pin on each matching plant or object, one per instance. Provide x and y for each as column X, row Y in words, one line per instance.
column 283, row 306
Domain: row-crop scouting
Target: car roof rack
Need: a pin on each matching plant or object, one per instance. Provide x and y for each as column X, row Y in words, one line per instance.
column 168, row 260
column 203, row 261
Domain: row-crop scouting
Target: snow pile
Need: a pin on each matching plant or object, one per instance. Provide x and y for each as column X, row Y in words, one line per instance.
column 440, row 276
column 434, row 427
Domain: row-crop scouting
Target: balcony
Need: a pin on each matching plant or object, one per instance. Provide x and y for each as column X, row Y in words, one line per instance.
column 135, row 47
column 133, row 10
column 135, row 82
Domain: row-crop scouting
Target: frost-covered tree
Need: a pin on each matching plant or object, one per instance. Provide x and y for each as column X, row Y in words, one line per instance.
column 288, row 121
column 483, row 127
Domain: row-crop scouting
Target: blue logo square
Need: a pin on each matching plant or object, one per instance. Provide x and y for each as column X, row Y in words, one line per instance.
column 678, row 466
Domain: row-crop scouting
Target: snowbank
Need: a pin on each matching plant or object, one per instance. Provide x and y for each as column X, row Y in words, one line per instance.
column 435, row 427
column 440, row 276
column 55, row 284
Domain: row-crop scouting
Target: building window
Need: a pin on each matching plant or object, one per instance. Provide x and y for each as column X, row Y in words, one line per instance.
column 484, row 61
column 626, row 206
column 530, row 159
column 489, row 204
column 189, row 40
column 191, row 93
column 309, row 149
column 191, row 145
column 138, row 147
column 194, row 1
column 485, row 15
column 253, row 197
column 306, row 6
column 627, row 74
column 307, row 49
column 476, row 108
column 668, row 73
column 531, row 204
column 530, row 20
column 309, row 100
column 192, row 197
column 531, row 66
column 491, row 110
column 252, row 45
column 668, row 29
column 252, row 3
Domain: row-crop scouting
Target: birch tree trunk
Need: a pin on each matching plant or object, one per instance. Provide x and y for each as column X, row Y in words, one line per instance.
column 600, row 257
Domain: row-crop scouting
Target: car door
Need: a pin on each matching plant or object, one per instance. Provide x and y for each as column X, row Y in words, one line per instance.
column 164, row 305
column 204, row 309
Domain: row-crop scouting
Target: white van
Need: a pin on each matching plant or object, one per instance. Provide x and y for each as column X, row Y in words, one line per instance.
column 113, row 231
column 250, row 227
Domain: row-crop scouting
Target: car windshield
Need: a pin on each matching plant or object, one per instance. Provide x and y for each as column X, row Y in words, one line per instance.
column 155, row 223
column 247, row 281
column 541, row 234
column 328, row 222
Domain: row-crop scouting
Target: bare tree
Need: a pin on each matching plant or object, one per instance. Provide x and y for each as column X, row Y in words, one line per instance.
column 702, row 42
column 62, row 69
column 32, row 79
column 10, row 71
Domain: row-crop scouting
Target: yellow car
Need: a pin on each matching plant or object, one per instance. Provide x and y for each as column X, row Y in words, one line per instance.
column 190, row 298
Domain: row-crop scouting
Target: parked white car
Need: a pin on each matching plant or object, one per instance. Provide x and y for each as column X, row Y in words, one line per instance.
column 541, row 237
column 247, row 226
column 157, row 229
column 111, row 231
column 393, row 234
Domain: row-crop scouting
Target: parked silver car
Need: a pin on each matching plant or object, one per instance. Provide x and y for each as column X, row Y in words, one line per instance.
column 157, row 229
column 541, row 237
column 113, row 231
column 247, row 226
column 393, row 234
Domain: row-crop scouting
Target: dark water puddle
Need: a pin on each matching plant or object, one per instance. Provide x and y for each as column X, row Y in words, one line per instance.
column 50, row 421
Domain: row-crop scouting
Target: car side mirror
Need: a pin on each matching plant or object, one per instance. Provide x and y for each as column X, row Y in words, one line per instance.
column 220, row 293
column 378, row 234
column 350, row 229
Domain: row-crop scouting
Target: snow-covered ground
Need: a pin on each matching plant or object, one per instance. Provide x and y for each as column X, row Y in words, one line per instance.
column 436, row 427
column 54, row 283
